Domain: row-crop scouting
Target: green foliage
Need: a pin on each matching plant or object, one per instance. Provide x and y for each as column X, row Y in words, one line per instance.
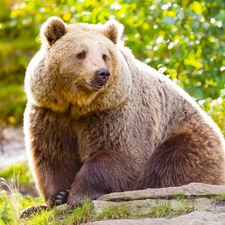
column 11, row 205
column 12, row 202
column 12, row 103
column 20, row 171
column 7, row 211
column 216, row 109
column 186, row 37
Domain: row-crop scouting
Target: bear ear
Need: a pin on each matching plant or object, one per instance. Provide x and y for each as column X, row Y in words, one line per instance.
column 113, row 30
column 53, row 29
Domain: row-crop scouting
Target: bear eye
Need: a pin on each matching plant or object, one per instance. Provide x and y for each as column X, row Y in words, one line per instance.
column 104, row 57
column 81, row 55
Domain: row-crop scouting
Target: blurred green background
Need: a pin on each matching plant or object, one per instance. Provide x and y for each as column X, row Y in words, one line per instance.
column 182, row 39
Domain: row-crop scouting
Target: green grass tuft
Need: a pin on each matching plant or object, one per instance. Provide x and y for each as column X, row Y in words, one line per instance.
column 21, row 171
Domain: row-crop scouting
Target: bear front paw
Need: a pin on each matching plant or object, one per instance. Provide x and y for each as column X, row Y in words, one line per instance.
column 32, row 210
column 59, row 198
column 76, row 200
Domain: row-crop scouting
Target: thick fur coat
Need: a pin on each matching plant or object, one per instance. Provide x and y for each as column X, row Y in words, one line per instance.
column 131, row 129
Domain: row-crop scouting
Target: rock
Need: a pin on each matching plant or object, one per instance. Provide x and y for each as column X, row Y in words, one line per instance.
column 143, row 206
column 198, row 217
column 192, row 189
column 63, row 207
column 146, row 205
column 202, row 204
column 144, row 202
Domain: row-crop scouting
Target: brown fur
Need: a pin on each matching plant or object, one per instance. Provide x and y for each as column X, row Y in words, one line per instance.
column 139, row 131
column 52, row 30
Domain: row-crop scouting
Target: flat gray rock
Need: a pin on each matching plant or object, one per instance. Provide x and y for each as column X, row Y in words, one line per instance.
column 143, row 206
column 145, row 202
column 195, row 189
column 195, row 218
column 148, row 205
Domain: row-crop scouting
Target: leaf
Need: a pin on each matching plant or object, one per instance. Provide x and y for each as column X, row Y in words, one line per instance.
column 173, row 73
column 179, row 83
column 145, row 26
column 195, row 25
column 15, row 13
column 185, row 2
column 67, row 16
column 196, row 7
column 192, row 61
column 171, row 13
column 168, row 20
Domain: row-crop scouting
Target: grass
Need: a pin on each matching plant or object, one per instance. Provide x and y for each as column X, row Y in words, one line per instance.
column 11, row 201
column 19, row 172
column 11, row 204
column 116, row 212
column 161, row 210
column 22, row 174
column 219, row 199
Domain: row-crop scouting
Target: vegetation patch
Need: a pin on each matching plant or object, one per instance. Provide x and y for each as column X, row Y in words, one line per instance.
column 13, row 204
column 20, row 177
column 165, row 209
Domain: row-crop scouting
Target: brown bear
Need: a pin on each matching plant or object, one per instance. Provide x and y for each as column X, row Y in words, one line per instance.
column 99, row 121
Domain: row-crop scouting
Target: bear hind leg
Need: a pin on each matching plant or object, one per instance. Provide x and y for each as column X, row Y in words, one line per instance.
column 181, row 159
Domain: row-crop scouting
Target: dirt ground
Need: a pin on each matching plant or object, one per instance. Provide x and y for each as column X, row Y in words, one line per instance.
column 13, row 147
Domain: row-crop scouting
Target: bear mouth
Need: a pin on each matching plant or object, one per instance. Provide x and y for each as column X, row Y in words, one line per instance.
column 97, row 86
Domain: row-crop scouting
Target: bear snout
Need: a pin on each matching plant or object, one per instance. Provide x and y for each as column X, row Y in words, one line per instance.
column 100, row 79
column 103, row 74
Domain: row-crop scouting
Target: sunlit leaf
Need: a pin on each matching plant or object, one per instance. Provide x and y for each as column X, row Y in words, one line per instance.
column 197, row 7
column 15, row 13
column 179, row 83
column 146, row 26
column 67, row 16
column 185, row 2
column 192, row 61
column 171, row 13
column 173, row 73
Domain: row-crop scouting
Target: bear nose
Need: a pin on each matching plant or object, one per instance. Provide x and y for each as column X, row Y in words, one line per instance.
column 103, row 74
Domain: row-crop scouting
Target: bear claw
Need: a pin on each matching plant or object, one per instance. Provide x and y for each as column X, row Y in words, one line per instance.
column 61, row 197
column 32, row 210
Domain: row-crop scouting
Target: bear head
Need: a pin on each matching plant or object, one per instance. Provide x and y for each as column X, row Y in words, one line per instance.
column 78, row 66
